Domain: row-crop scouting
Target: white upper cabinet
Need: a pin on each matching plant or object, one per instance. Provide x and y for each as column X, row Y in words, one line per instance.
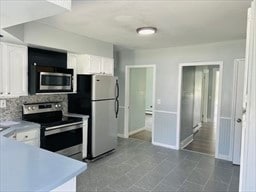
column 14, row 70
column 90, row 64
column 95, row 64
column 72, row 64
column 108, row 65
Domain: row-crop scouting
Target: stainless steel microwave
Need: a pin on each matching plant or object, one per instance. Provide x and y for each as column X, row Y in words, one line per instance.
column 51, row 80
column 55, row 81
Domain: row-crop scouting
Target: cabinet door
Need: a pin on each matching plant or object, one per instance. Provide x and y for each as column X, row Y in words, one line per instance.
column 17, row 64
column 83, row 64
column 107, row 66
column 95, row 64
column 72, row 64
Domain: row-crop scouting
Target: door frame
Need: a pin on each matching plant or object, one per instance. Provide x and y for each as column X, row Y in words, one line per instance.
column 205, row 94
column 217, row 63
column 127, row 97
column 214, row 74
column 233, row 112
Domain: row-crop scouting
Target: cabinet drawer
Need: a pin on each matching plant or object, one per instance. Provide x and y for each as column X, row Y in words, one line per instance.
column 27, row 135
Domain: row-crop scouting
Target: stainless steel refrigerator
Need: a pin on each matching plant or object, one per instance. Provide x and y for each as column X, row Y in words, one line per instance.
column 97, row 96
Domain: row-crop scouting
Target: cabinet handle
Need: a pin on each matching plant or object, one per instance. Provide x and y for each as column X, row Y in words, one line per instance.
column 9, row 93
column 1, row 93
column 26, row 136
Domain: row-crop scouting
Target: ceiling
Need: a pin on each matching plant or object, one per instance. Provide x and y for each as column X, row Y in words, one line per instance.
column 179, row 22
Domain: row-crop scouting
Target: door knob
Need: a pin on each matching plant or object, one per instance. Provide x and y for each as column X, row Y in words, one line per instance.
column 239, row 120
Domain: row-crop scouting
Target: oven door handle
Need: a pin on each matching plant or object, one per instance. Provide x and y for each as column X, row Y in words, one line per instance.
column 63, row 128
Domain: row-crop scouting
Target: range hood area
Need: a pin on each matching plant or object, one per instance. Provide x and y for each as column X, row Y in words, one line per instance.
column 48, row 73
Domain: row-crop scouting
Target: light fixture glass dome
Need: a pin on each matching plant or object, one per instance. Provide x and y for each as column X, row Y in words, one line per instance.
column 146, row 30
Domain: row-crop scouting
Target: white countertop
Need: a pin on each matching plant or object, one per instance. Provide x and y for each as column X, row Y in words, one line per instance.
column 28, row 168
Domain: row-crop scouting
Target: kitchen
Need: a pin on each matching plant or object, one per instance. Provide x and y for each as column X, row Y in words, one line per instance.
column 51, row 76
column 59, row 92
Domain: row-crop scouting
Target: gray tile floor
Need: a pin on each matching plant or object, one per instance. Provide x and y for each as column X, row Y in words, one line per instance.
column 138, row 166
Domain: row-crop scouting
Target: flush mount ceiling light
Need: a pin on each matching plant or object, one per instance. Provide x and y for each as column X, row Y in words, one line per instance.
column 146, row 30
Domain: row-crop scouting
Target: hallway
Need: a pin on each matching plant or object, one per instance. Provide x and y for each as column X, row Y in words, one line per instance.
column 204, row 140
column 146, row 134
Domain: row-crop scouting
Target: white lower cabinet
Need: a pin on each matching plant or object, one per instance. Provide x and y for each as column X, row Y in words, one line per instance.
column 13, row 70
column 27, row 136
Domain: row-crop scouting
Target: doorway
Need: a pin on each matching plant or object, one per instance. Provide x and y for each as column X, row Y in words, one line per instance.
column 199, row 107
column 139, row 102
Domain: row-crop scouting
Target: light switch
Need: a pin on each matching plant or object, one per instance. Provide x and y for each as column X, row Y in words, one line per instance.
column 158, row 101
column 2, row 103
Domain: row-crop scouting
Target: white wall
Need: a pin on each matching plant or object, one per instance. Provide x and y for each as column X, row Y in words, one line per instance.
column 167, row 62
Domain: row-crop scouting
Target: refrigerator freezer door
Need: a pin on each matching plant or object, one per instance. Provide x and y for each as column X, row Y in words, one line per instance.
column 103, row 87
column 104, row 127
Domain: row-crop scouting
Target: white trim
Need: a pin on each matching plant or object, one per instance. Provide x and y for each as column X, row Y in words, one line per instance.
column 220, row 64
column 184, row 143
column 169, row 112
column 164, row 145
column 127, row 99
column 205, row 94
column 214, row 74
column 197, row 128
column 120, row 135
column 137, row 131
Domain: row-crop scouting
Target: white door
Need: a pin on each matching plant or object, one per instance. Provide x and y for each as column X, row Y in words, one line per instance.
column 238, row 110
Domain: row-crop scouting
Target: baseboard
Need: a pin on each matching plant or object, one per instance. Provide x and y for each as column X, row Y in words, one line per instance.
column 137, row 130
column 223, row 157
column 197, row 128
column 186, row 141
column 164, row 145
column 121, row 135
column 148, row 129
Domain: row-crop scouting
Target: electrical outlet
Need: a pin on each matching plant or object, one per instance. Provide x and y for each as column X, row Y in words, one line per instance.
column 2, row 103
column 158, row 101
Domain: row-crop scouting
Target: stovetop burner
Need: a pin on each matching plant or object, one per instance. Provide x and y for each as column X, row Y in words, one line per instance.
column 47, row 114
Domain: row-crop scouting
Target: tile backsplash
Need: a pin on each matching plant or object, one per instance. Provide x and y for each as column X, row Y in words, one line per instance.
column 13, row 108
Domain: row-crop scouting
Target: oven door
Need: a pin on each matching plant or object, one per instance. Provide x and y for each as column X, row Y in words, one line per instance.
column 50, row 81
column 64, row 139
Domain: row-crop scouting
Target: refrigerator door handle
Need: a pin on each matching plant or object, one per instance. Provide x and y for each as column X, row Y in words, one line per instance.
column 117, row 107
column 117, row 89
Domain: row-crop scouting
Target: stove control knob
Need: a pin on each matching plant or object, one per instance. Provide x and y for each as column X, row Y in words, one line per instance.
column 59, row 105
column 29, row 108
column 56, row 106
column 33, row 108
